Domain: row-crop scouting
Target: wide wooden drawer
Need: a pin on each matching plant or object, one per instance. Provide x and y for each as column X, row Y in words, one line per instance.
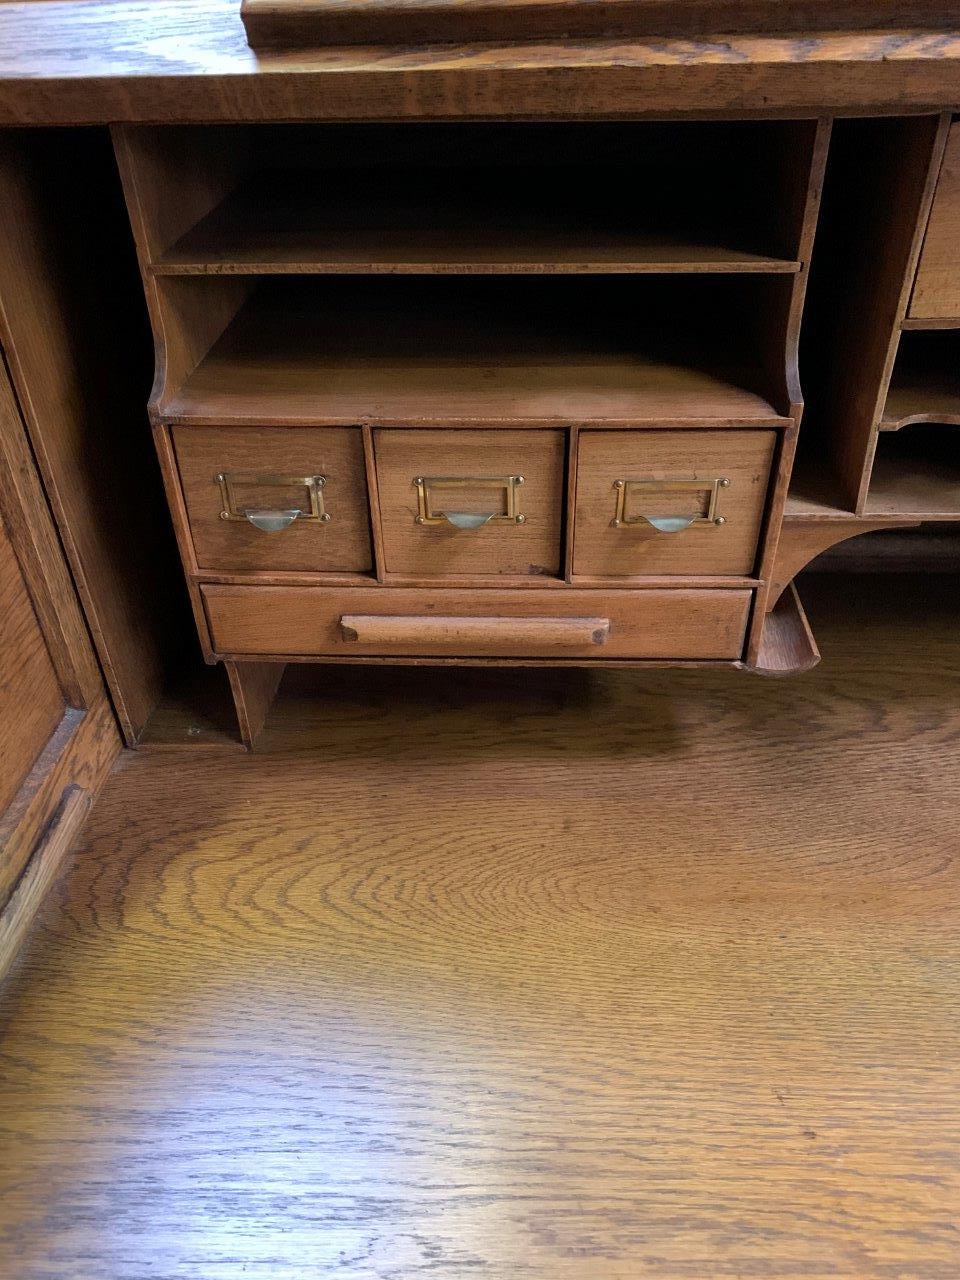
column 670, row 502
column 385, row 621
column 459, row 501
column 275, row 498
column 936, row 290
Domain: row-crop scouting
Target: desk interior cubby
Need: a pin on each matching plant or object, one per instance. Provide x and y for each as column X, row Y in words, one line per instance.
column 617, row 272
column 472, row 198
column 871, row 371
column 916, row 472
column 925, row 381
column 483, row 350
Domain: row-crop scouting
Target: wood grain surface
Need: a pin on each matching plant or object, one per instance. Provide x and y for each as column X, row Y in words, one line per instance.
column 86, row 61
column 742, row 458
column 492, row 457
column 422, row 222
column 252, row 458
column 936, row 290
column 514, row 975
column 313, row 23
column 302, row 623
column 30, row 695
column 446, row 352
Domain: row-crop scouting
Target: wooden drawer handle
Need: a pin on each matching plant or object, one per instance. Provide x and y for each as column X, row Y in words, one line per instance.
column 533, row 632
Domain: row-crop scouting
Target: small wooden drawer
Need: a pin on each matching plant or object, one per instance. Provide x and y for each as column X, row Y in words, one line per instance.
column 456, row 501
column 275, row 498
column 670, row 502
column 401, row 622
column 936, row 290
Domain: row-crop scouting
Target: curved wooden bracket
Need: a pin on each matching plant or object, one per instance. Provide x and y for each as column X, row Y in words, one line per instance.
column 802, row 539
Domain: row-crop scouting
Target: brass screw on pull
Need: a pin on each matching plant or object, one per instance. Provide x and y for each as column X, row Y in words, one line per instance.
column 724, row 484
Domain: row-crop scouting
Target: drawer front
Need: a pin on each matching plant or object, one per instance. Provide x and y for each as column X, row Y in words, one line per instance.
column 470, row 501
column 936, row 291
column 290, row 497
column 400, row 622
column 670, row 502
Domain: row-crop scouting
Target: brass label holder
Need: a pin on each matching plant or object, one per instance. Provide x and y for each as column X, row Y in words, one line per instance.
column 428, row 485
column 669, row 524
column 268, row 519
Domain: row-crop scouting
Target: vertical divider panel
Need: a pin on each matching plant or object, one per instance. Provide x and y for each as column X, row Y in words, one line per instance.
column 570, row 497
column 181, row 524
column 373, row 497
column 171, row 177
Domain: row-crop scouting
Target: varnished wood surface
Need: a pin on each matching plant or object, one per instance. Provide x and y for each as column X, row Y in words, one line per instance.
column 936, row 290
column 305, row 622
column 513, row 975
column 78, row 349
column 446, row 352
column 312, row 23
column 742, row 458
column 786, row 644
column 880, row 184
column 42, row 870
column 487, row 222
column 253, row 686
column 925, row 385
column 31, row 700
column 80, row 754
column 532, row 547
column 74, row 61
column 916, row 470
column 805, row 535
column 253, row 459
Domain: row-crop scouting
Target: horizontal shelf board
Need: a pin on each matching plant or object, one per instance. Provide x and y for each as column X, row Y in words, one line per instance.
column 409, row 357
column 362, row 223
column 915, row 404
column 941, row 322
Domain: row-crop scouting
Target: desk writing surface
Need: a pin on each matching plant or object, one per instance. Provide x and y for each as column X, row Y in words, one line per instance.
column 84, row 61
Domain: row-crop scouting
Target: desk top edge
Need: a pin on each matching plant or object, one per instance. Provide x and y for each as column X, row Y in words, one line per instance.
column 86, row 62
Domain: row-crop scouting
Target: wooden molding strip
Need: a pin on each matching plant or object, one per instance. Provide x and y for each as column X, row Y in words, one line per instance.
column 281, row 24
column 40, row 872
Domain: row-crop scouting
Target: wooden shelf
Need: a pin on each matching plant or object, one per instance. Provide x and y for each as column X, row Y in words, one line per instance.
column 917, row 472
column 429, row 351
column 382, row 221
column 925, row 386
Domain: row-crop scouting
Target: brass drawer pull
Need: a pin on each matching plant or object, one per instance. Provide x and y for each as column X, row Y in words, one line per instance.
column 669, row 524
column 272, row 519
column 508, row 485
column 515, row 633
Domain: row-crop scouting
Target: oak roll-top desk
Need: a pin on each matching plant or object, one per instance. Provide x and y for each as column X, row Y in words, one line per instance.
column 566, row 351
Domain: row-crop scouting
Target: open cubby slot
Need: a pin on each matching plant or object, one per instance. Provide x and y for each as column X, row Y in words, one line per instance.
column 916, row 471
column 637, row 197
column 555, row 350
column 815, row 490
column 925, row 384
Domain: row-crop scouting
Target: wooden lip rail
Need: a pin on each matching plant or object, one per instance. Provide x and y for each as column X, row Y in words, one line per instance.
column 279, row 24
column 532, row 633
